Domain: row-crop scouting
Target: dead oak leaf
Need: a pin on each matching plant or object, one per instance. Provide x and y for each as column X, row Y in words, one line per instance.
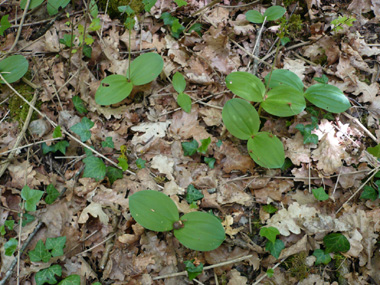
column 95, row 210
column 164, row 165
column 227, row 223
column 186, row 126
column 296, row 150
column 329, row 154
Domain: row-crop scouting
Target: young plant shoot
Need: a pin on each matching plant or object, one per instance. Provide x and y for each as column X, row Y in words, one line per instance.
column 157, row 212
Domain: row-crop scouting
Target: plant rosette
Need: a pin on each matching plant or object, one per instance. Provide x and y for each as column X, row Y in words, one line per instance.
column 115, row 88
column 157, row 212
column 283, row 96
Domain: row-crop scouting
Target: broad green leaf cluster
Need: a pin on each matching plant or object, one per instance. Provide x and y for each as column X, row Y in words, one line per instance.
column 183, row 100
column 115, row 88
column 282, row 95
column 273, row 13
column 157, row 212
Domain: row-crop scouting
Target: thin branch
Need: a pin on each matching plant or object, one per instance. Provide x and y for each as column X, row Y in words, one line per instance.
column 20, row 27
column 28, row 145
column 184, row 273
column 375, row 170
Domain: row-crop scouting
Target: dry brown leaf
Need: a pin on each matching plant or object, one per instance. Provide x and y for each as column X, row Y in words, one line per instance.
column 236, row 278
column 230, row 193
column 227, row 223
column 296, row 150
column 164, row 165
column 295, row 65
column 95, row 210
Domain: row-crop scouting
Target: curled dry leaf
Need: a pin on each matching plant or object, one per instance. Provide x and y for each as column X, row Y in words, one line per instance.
column 95, row 210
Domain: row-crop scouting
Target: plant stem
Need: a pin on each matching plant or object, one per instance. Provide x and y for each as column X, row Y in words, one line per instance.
column 129, row 53
column 272, row 67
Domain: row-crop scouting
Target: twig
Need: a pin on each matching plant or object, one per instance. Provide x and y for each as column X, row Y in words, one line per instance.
column 237, row 6
column 256, row 48
column 356, row 121
column 96, row 245
column 184, row 273
column 205, row 7
column 28, row 145
column 20, row 27
column 23, row 130
column 63, row 130
column 264, row 275
column 375, row 170
column 250, row 54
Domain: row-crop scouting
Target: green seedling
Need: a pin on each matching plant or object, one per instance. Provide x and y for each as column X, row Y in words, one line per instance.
column 4, row 24
column 115, row 88
column 282, row 96
column 13, row 68
column 341, row 21
column 273, row 245
column 192, row 270
column 320, row 194
column 322, row 257
column 175, row 26
column 271, row 14
column 157, row 212
column 179, row 84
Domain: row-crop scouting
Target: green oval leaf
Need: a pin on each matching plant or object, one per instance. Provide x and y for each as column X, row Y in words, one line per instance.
column 327, row 97
column 153, row 210
column 179, row 82
column 13, row 68
column 284, row 77
column 284, row 101
column 184, row 101
column 240, row 118
column 113, row 89
column 336, row 242
column 266, row 150
column 53, row 6
column 274, row 13
column 201, row 231
column 254, row 17
column 33, row 4
column 145, row 68
column 246, row 85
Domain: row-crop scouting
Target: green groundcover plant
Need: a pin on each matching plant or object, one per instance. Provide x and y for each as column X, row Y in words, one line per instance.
column 115, row 88
column 157, row 212
column 282, row 95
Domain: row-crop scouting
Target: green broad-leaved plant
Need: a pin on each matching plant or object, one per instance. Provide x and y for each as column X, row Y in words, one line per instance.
column 271, row 14
column 157, row 212
column 282, row 95
column 13, row 68
column 179, row 84
column 115, row 88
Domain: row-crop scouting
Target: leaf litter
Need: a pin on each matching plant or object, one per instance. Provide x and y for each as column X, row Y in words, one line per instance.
column 103, row 241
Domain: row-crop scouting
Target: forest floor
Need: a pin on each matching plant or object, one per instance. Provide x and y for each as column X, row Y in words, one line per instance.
column 101, row 242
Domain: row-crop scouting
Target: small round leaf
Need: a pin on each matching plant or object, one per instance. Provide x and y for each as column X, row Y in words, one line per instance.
column 145, row 68
column 13, row 68
column 179, row 82
column 201, row 231
column 153, row 210
column 284, row 101
column 254, row 17
column 328, row 97
column 284, row 77
column 266, row 150
column 274, row 13
column 113, row 89
column 240, row 118
column 184, row 101
column 246, row 85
